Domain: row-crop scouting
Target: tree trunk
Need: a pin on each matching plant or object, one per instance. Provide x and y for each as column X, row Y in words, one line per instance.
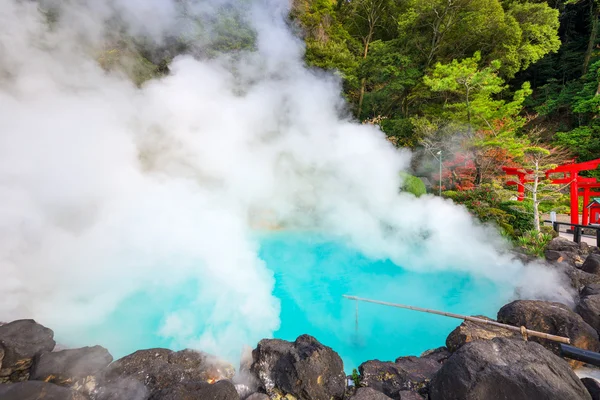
column 363, row 82
column 536, row 203
column 594, row 11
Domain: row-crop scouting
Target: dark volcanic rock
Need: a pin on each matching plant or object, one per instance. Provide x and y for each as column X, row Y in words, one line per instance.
column 408, row 395
column 36, row 390
column 573, row 259
column 147, row 372
column 566, row 245
column 589, row 307
column 553, row 318
column 67, row 366
column 593, row 387
column 440, row 354
column 578, row 277
column 590, row 290
column 222, row 390
column 407, row 373
column 366, row 393
column 304, row 369
column 20, row 341
column 592, row 264
column 257, row 396
column 503, row 368
column 469, row 331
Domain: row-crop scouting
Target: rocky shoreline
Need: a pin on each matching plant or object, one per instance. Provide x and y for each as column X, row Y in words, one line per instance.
column 478, row 361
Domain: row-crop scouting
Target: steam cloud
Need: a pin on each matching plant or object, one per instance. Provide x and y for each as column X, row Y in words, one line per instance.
column 108, row 188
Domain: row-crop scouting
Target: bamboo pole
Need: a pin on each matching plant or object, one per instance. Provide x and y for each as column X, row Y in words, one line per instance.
column 522, row 330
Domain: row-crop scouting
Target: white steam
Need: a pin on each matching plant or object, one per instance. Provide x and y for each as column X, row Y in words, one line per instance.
column 107, row 188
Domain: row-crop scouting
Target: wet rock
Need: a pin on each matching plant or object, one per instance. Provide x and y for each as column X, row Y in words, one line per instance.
column 222, row 390
column 157, row 369
column 469, row 331
column 592, row 264
column 366, row 393
column 503, row 368
column 36, row 390
column 440, row 354
column 407, row 373
column 20, row 342
column 593, row 387
column 588, row 307
column 65, row 367
column 553, row 318
column 304, row 369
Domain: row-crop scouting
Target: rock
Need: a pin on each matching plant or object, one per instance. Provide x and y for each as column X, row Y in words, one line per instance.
column 593, row 387
column 578, row 277
column 469, row 331
column 553, row 318
column 36, row 390
column 589, row 307
column 366, row 393
column 407, row 373
column 592, row 264
column 221, row 390
column 408, row 395
column 562, row 244
column 503, row 368
column 67, row 366
column 257, row 396
column 157, row 369
column 304, row 369
column 20, row 341
column 573, row 259
column 440, row 354
column 590, row 290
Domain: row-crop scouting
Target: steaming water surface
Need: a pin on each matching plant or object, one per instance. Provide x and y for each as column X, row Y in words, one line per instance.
column 311, row 274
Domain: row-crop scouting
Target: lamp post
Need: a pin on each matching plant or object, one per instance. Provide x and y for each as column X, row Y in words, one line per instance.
column 439, row 153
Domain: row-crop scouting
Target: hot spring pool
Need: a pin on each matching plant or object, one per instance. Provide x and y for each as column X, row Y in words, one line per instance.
column 311, row 275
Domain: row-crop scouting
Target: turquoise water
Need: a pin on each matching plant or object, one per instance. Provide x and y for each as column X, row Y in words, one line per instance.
column 311, row 275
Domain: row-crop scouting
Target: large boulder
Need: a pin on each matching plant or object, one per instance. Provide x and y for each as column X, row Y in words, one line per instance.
column 553, row 318
column 593, row 387
column 65, row 367
column 222, row 390
column 469, row 331
column 305, row 369
column 573, row 259
column 405, row 374
column 36, row 390
column 568, row 246
column 20, row 342
column 578, row 277
column 592, row 264
column 366, row 393
column 440, row 354
column 503, row 368
column 588, row 307
column 146, row 372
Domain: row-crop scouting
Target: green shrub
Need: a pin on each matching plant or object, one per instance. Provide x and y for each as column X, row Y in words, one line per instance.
column 413, row 184
column 534, row 243
column 355, row 378
column 520, row 215
column 549, row 231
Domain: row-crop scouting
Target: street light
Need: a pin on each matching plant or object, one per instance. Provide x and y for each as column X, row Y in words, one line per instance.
column 439, row 153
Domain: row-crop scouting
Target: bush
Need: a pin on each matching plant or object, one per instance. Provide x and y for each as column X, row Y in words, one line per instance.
column 534, row 243
column 412, row 184
column 520, row 215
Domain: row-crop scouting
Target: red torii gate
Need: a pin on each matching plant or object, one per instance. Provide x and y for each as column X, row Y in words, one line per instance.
column 587, row 193
column 570, row 176
column 521, row 174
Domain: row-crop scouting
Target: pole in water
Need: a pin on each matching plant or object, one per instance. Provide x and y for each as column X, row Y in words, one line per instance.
column 356, row 324
column 524, row 331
